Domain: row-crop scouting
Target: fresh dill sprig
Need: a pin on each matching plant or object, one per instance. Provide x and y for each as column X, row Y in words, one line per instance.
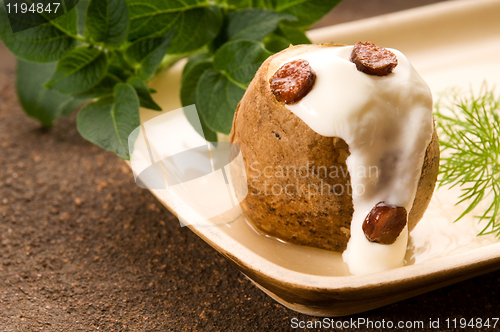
column 469, row 136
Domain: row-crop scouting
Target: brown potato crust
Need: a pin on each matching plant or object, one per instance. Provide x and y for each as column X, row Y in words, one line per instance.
column 271, row 136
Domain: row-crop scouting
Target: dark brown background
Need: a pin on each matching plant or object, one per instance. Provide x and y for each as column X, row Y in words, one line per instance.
column 83, row 249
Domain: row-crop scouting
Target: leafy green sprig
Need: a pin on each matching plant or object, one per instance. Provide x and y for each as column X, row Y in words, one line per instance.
column 102, row 54
column 469, row 135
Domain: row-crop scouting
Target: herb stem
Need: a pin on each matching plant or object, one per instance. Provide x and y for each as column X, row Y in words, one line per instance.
column 469, row 136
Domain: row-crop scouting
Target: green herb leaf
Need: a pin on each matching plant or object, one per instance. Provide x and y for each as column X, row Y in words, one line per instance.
column 243, row 4
column 276, row 43
column 285, row 36
column 196, row 22
column 239, row 60
column 81, row 10
column 156, row 33
column 307, row 11
column 119, row 66
column 143, row 93
column 44, row 43
column 220, row 89
column 295, row 35
column 469, row 136
column 108, row 122
column 153, row 18
column 39, row 102
column 191, row 74
column 217, row 98
column 107, row 22
column 70, row 4
column 79, row 70
column 147, row 54
column 254, row 24
column 209, row 134
column 196, row 28
column 104, row 88
column 157, row 17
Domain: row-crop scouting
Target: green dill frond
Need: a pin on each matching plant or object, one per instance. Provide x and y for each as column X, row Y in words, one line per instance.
column 469, row 135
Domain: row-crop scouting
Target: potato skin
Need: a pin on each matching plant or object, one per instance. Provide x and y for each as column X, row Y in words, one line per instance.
column 271, row 136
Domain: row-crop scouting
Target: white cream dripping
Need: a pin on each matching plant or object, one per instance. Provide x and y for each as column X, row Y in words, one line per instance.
column 387, row 122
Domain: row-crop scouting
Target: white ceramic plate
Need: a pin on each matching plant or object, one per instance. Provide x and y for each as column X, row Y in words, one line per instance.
column 454, row 43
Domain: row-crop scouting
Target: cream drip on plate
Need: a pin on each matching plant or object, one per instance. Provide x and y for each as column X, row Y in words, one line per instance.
column 387, row 123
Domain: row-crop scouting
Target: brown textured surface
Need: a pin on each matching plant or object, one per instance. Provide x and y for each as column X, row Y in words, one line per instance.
column 118, row 261
column 427, row 182
column 272, row 138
